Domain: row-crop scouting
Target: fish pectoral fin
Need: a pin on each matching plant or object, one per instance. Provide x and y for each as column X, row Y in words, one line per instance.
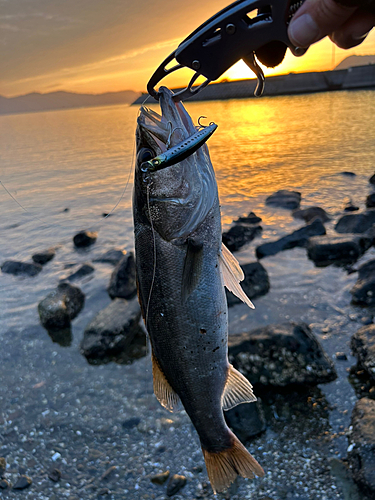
column 237, row 390
column 192, row 268
column 232, row 275
column 224, row 466
column 164, row 393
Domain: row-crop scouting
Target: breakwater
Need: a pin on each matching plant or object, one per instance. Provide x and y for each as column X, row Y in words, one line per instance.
column 354, row 78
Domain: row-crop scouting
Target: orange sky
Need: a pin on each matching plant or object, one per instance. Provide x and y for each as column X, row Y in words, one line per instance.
column 94, row 46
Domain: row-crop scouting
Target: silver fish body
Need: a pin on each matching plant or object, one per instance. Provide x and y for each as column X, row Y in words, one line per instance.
column 180, row 273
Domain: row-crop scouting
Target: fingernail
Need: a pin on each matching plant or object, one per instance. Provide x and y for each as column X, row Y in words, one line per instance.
column 303, row 31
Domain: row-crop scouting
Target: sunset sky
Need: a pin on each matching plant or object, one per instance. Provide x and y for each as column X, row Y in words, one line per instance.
column 97, row 46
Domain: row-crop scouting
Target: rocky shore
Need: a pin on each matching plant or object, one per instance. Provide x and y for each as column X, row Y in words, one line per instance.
column 82, row 421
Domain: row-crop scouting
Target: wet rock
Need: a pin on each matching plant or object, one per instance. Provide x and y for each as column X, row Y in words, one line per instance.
column 363, row 292
column 348, row 174
column 341, row 356
column 356, row 223
column 279, row 355
column 175, row 484
column 3, row 466
column 112, row 256
column 370, row 200
column 115, row 334
column 44, row 257
column 372, row 179
column 339, row 250
column 22, row 483
column 239, row 235
column 363, row 347
column 246, row 420
column 298, row 238
column 350, row 207
column 54, row 475
column 249, row 219
column 160, row 478
column 123, row 283
column 255, row 284
column 4, row 484
column 361, row 450
column 61, row 306
column 85, row 239
column 103, row 492
column 21, row 268
column 82, row 272
column 284, row 199
column 311, row 213
column 131, row 422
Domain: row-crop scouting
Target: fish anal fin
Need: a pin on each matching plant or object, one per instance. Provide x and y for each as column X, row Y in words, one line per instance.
column 232, row 275
column 237, row 390
column 192, row 267
column 164, row 393
column 224, row 466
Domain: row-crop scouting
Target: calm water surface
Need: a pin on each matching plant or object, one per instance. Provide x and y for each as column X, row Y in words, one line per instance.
column 82, row 160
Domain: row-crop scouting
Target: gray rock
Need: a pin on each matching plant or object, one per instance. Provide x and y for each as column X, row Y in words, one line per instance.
column 363, row 292
column 298, row 238
column 54, row 475
column 356, row 223
column 4, row 484
column 61, row 306
column 21, row 268
column 246, row 420
column 348, row 174
column 175, row 484
column 22, row 483
column 363, row 347
column 249, row 219
column 350, row 207
column 85, row 239
column 82, row 272
column 361, row 451
column 62, row 337
column 279, row 355
column 44, row 257
column 239, row 235
column 115, row 334
column 370, row 200
column 123, row 283
column 284, row 199
column 341, row 356
column 131, row 422
column 255, row 284
column 327, row 250
column 112, row 256
column 372, row 179
column 160, row 478
column 311, row 213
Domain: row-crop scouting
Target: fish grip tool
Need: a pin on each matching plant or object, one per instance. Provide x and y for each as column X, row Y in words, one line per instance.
column 234, row 33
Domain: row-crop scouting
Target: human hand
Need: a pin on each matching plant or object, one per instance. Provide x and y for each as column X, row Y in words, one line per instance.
column 346, row 22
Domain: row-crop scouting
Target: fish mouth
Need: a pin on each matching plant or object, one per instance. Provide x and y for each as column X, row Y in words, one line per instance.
column 168, row 129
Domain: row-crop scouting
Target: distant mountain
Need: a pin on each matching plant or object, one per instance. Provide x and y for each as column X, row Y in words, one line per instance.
column 62, row 100
column 351, row 61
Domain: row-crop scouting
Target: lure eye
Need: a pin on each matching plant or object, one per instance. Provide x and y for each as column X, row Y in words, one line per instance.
column 145, row 154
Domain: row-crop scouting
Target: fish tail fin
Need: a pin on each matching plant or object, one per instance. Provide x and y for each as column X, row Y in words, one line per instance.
column 224, row 466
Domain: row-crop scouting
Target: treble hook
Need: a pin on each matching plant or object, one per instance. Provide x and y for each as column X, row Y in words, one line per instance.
column 199, row 122
column 171, row 131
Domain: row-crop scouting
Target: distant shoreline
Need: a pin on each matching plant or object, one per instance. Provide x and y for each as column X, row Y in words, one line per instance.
column 353, row 78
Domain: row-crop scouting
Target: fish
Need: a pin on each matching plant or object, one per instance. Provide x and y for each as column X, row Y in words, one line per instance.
column 181, row 268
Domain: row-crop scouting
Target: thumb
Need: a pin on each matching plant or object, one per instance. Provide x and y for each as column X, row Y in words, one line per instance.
column 316, row 19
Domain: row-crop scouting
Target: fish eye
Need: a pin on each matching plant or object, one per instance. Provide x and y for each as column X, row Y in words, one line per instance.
column 145, row 154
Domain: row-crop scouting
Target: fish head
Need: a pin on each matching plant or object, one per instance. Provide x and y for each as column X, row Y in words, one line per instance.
column 176, row 199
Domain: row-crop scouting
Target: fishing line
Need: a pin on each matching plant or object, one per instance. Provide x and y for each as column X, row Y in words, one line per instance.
column 154, row 253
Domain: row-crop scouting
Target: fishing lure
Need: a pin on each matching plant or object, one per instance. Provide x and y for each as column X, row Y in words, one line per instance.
column 181, row 151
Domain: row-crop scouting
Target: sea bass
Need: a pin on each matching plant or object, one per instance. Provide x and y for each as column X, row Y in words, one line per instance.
column 181, row 270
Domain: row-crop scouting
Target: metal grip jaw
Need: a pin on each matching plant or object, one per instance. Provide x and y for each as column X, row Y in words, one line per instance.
column 234, row 33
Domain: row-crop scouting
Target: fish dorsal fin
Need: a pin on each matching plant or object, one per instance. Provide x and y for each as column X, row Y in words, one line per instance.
column 232, row 275
column 192, row 267
column 237, row 390
column 163, row 391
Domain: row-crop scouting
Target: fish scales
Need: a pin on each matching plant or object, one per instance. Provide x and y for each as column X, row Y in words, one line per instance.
column 181, row 290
